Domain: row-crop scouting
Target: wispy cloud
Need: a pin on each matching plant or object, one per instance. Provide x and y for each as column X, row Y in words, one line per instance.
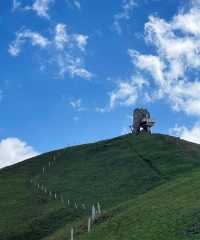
column 81, row 41
column 177, row 47
column 40, row 7
column 66, row 44
column 61, row 36
column 124, row 15
column 166, row 74
column 72, row 65
column 66, row 49
column 77, row 105
column 125, row 93
column 24, row 35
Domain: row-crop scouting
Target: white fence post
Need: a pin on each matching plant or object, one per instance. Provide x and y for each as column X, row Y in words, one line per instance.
column 93, row 213
column 89, row 224
column 72, row 234
column 99, row 208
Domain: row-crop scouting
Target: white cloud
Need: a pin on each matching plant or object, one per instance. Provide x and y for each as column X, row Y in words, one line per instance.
column 191, row 135
column 76, row 70
column 65, row 49
column 77, row 105
column 40, row 7
column 126, row 9
column 189, row 22
column 171, row 73
column 81, row 41
column 68, row 62
column 74, row 66
column 13, row 150
column 177, row 55
column 35, row 38
column 126, row 92
column 61, row 37
column 151, row 63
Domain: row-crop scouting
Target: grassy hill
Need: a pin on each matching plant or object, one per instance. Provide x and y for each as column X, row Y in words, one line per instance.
column 147, row 185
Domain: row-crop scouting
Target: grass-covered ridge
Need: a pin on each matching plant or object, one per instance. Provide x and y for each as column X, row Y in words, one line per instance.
column 147, row 186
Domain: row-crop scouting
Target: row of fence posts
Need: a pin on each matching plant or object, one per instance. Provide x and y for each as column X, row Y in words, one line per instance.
column 53, row 194
column 95, row 214
column 56, row 196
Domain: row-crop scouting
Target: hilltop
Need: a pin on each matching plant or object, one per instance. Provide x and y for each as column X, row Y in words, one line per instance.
column 147, row 186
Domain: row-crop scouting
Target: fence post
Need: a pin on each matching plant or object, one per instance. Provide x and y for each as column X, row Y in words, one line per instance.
column 83, row 206
column 93, row 213
column 89, row 224
column 99, row 208
column 72, row 234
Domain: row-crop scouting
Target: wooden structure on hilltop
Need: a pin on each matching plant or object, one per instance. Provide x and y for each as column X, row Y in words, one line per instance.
column 142, row 121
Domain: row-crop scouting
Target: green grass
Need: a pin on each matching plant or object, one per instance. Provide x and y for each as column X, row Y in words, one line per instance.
column 170, row 211
column 147, row 185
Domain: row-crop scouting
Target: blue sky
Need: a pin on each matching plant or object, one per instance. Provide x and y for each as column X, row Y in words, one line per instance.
column 72, row 71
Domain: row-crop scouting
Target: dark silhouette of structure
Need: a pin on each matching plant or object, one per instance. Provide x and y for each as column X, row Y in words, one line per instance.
column 142, row 121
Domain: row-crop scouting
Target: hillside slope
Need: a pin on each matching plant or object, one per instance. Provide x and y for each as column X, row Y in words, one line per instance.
column 168, row 212
column 144, row 182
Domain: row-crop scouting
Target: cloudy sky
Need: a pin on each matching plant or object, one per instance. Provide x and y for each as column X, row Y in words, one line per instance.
column 72, row 71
